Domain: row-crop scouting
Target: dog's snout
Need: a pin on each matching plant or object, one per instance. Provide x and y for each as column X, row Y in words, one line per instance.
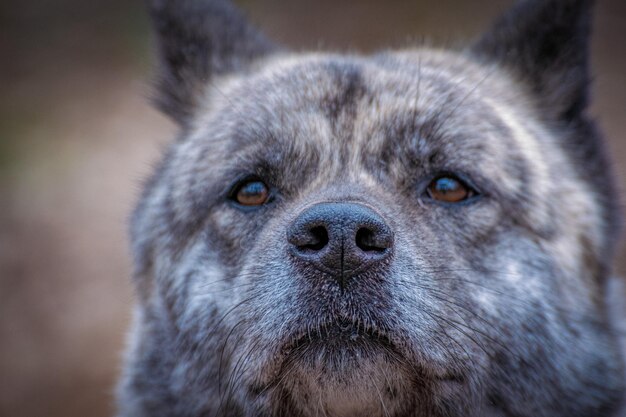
column 340, row 238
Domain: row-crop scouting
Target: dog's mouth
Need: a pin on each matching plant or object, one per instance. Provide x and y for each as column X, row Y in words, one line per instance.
column 339, row 335
column 343, row 350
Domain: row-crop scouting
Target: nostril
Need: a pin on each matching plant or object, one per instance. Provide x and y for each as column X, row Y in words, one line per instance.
column 318, row 239
column 339, row 238
column 369, row 241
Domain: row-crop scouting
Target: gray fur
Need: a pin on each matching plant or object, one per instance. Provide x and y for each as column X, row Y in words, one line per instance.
column 492, row 307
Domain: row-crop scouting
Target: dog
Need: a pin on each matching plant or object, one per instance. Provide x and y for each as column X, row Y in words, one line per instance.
column 418, row 232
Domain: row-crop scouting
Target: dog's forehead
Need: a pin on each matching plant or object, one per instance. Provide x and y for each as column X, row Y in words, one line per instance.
column 390, row 119
column 431, row 103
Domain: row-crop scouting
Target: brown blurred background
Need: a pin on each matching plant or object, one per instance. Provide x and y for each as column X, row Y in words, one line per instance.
column 77, row 137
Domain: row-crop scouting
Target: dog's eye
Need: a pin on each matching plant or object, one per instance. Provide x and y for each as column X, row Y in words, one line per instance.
column 252, row 192
column 449, row 189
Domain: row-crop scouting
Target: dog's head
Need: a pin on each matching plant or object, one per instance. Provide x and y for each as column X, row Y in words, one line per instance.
column 419, row 232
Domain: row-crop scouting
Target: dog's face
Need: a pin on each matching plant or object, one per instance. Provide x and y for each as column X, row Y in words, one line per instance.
column 406, row 234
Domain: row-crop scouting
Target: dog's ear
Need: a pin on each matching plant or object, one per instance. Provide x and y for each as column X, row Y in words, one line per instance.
column 546, row 44
column 199, row 39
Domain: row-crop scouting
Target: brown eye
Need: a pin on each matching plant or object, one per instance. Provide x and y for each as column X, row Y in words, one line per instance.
column 252, row 193
column 448, row 189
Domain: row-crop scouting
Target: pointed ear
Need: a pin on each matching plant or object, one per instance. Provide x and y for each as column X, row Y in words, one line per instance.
column 198, row 39
column 546, row 44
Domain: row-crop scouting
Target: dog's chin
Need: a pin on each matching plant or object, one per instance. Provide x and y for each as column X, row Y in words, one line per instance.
column 343, row 369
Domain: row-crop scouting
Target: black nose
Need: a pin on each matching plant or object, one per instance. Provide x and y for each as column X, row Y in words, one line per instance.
column 340, row 238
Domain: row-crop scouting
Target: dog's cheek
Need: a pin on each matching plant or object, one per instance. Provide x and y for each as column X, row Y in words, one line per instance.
column 257, row 292
column 463, row 295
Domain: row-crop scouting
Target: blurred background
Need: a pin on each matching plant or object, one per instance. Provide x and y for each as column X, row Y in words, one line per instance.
column 78, row 136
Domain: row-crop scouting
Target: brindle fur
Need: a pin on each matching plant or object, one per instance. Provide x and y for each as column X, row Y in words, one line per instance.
column 491, row 308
